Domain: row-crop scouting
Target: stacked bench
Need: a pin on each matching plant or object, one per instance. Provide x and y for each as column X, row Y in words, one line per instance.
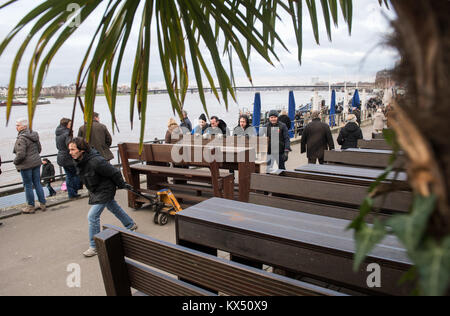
column 152, row 267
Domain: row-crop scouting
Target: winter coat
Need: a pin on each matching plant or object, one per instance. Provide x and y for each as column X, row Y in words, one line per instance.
column 286, row 120
column 281, row 130
column 187, row 124
column 249, row 131
column 199, row 131
column 379, row 119
column 100, row 139
column 174, row 134
column 349, row 135
column 99, row 177
column 27, row 149
column 48, row 171
column 62, row 140
column 316, row 138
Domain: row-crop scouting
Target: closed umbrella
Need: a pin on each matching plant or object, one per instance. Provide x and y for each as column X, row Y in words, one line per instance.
column 356, row 101
column 256, row 120
column 333, row 109
column 291, row 113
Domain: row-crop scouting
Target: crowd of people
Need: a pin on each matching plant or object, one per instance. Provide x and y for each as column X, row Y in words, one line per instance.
column 88, row 163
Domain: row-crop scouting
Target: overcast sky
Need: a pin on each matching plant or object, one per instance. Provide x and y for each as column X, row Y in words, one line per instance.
column 350, row 58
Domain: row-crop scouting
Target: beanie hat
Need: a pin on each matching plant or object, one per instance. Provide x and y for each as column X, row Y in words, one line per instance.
column 273, row 113
column 202, row 117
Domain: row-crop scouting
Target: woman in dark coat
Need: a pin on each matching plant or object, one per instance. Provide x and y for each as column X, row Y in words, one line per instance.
column 349, row 135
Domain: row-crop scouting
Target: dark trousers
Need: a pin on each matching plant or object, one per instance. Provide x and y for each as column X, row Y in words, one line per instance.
column 313, row 160
column 72, row 181
column 51, row 191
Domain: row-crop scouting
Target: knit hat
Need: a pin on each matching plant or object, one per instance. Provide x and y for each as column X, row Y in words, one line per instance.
column 273, row 113
column 202, row 117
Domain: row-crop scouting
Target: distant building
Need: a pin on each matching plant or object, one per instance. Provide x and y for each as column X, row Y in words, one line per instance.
column 384, row 79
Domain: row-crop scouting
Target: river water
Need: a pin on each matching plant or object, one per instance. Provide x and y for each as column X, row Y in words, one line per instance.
column 159, row 111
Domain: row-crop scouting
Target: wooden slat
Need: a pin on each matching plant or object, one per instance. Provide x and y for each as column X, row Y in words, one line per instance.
column 331, row 193
column 364, row 158
column 315, row 208
column 374, row 144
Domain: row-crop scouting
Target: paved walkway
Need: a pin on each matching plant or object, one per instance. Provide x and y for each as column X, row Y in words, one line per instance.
column 36, row 250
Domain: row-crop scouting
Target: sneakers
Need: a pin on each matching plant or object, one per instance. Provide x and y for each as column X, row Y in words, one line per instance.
column 43, row 207
column 134, row 227
column 30, row 209
column 91, row 252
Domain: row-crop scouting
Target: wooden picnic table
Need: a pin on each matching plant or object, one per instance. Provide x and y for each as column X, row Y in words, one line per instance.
column 315, row 246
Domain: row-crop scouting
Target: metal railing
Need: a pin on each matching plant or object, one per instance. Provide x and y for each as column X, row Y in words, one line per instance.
column 61, row 175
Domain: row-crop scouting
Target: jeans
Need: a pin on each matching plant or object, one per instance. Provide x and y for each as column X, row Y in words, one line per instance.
column 72, row 181
column 94, row 218
column 32, row 177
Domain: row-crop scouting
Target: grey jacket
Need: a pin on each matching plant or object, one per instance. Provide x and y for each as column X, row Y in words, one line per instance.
column 27, row 149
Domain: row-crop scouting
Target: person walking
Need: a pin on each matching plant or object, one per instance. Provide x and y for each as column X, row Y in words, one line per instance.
column 101, row 180
column 100, row 138
column 244, row 128
column 349, row 135
column 379, row 121
column 28, row 162
column 48, row 176
column 186, row 124
column 316, row 138
column 277, row 134
column 63, row 137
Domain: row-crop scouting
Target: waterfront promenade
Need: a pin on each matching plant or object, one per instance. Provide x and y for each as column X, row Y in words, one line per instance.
column 36, row 250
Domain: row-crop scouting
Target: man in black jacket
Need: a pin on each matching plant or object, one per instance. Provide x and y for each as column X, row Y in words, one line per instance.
column 316, row 138
column 279, row 141
column 102, row 180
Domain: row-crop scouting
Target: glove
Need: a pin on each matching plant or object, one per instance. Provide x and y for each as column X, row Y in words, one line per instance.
column 285, row 156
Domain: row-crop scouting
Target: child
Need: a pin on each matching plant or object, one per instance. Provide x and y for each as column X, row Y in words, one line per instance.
column 48, row 173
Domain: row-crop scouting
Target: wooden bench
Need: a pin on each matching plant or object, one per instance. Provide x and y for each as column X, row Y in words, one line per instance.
column 152, row 267
column 289, row 190
column 379, row 144
column 312, row 246
column 156, row 158
column 363, row 158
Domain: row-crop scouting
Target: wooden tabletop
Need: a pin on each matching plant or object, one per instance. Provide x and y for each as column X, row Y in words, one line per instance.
column 287, row 226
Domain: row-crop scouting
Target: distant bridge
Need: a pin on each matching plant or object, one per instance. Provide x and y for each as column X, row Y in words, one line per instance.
column 351, row 86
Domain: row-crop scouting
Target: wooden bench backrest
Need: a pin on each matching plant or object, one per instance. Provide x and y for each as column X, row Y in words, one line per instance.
column 128, row 260
column 362, row 158
column 259, row 143
column 331, row 193
column 374, row 144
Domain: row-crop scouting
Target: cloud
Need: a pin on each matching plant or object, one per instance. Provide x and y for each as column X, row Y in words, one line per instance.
column 358, row 56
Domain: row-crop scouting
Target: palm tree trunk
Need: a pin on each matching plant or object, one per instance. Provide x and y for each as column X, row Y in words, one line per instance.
column 421, row 120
